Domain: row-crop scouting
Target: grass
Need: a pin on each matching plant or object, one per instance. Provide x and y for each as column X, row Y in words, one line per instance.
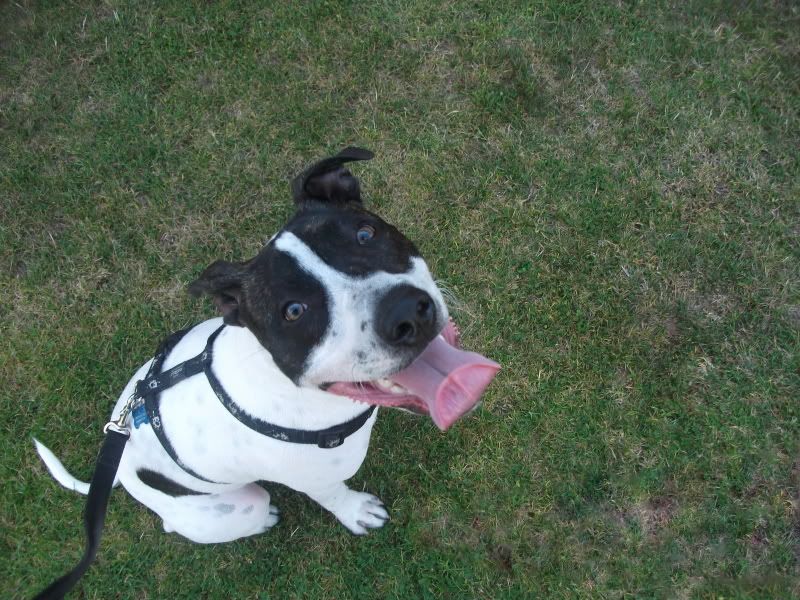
column 611, row 189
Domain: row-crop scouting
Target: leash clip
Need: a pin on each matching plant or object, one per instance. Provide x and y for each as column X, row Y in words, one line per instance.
column 118, row 425
column 112, row 426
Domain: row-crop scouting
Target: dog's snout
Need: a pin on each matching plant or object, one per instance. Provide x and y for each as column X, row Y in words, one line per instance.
column 406, row 317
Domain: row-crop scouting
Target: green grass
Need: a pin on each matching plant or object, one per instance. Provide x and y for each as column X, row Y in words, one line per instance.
column 610, row 189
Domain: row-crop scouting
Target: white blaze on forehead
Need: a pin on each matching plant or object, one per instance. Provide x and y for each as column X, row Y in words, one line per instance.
column 308, row 260
column 347, row 352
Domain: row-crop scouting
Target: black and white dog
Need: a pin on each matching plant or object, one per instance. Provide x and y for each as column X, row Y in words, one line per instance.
column 337, row 312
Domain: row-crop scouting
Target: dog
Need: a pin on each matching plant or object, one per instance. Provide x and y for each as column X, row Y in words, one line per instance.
column 337, row 314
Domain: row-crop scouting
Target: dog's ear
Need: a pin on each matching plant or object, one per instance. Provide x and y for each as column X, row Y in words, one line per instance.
column 329, row 181
column 222, row 281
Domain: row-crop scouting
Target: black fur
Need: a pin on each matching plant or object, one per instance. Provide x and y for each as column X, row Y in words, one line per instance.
column 330, row 231
column 328, row 181
column 164, row 484
column 289, row 342
column 222, row 280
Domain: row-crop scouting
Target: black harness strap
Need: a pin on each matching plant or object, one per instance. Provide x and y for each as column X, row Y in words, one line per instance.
column 324, row 438
column 150, row 388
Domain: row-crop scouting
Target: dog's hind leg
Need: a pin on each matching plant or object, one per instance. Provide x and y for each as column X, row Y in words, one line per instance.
column 209, row 518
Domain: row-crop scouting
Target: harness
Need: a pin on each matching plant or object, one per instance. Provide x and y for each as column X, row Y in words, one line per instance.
column 147, row 401
column 144, row 405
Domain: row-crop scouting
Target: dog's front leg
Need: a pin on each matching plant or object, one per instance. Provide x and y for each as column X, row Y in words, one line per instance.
column 358, row 511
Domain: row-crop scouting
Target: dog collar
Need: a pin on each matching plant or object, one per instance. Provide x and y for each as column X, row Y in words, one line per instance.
column 148, row 393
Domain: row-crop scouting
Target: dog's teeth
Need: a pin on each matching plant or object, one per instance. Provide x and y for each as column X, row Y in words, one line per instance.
column 388, row 385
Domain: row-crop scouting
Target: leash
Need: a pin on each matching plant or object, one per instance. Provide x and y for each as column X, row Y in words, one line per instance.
column 117, row 433
column 143, row 406
column 94, row 515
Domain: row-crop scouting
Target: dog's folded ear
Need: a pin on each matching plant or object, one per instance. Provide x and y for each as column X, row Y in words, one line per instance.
column 329, row 181
column 222, row 281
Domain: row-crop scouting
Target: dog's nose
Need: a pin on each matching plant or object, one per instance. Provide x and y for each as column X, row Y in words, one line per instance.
column 406, row 317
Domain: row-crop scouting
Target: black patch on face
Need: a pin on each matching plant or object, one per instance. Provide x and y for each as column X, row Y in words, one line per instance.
column 274, row 280
column 165, row 485
column 332, row 222
column 331, row 232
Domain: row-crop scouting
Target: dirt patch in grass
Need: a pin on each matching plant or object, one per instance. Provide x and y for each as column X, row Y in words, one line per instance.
column 168, row 296
column 443, row 531
column 655, row 514
column 658, row 307
column 758, row 540
column 795, row 503
column 621, row 385
column 178, row 237
column 793, row 314
column 502, row 556
column 671, row 328
column 711, row 307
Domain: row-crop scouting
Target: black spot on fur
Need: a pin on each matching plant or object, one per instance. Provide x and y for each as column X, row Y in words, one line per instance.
column 165, row 485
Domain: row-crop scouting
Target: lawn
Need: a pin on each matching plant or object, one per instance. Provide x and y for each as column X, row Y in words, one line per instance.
column 610, row 190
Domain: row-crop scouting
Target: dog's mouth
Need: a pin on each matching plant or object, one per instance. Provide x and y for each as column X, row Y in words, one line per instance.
column 444, row 382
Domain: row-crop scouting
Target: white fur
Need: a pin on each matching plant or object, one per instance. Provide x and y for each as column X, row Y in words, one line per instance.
column 58, row 471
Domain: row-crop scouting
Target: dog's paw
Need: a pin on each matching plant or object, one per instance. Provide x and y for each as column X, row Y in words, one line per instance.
column 360, row 512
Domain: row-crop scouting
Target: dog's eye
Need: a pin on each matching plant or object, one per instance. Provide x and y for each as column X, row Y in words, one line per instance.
column 365, row 234
column 294, row 310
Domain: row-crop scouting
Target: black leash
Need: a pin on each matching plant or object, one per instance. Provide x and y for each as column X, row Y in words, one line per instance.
column 94, row 515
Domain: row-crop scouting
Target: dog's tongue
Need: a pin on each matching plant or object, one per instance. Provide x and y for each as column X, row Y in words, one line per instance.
column 450, row 381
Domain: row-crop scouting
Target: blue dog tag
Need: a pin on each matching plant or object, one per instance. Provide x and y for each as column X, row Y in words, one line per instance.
column 140, row 416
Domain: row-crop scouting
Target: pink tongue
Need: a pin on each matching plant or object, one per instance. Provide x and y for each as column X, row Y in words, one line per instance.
column 449, row 380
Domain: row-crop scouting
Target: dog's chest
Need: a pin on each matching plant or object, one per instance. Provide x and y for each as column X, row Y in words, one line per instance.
column 207, row 437
column 223, row 449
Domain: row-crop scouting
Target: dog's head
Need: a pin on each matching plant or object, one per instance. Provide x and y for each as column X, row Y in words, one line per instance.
column 338, row 294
